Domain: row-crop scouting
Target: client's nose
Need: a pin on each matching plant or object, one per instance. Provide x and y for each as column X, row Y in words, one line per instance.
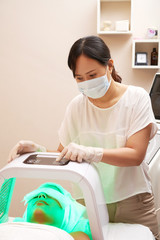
column 42, row 195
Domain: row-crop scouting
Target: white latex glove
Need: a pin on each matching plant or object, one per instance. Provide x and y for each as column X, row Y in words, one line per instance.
column 24, row 146
column 75, row 152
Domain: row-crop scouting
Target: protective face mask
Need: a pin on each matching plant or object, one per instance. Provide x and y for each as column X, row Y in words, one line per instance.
column 95, row 88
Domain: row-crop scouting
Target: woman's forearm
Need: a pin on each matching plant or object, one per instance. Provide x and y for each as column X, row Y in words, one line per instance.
column 133, row 153
column 122, row 157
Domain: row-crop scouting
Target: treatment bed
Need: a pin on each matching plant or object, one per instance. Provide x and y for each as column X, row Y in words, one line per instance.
column 42, row 166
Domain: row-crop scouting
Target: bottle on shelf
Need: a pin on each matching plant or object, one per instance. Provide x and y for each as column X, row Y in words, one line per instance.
column 154, row 57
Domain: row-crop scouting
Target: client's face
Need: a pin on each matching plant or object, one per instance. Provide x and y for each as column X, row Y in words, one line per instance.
column 45, row 210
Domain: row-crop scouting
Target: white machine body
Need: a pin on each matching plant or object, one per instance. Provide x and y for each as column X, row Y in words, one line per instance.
column 86, row 176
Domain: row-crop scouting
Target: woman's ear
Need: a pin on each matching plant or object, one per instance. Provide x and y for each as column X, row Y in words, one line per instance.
column 110, row 65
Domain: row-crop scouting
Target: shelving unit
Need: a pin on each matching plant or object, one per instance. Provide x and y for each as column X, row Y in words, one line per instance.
column 113, row 11
column 145, row 45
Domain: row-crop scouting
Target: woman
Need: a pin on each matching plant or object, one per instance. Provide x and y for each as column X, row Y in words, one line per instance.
column 109, row 124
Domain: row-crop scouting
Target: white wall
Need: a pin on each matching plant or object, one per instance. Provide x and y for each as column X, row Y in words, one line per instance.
column 35, row 82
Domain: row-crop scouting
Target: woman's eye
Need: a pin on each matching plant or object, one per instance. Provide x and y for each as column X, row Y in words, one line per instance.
column 93, row 75
column 79, row 79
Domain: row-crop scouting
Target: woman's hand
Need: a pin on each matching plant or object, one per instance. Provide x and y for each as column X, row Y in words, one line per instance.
column 75, row 152
column 24, row 146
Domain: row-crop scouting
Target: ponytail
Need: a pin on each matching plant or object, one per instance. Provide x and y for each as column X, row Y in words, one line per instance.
column 115, row 76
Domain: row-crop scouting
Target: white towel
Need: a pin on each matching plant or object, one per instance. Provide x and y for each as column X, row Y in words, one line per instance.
column 31, row 231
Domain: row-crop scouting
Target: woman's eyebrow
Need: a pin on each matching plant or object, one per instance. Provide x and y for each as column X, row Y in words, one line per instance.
column 90, row 71
column 86, row 72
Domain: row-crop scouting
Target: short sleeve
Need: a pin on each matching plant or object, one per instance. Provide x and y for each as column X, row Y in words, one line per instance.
column 65, row 129
column 68, row 129
column 142, row 114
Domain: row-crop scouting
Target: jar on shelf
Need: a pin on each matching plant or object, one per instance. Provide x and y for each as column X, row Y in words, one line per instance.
column 154, row 57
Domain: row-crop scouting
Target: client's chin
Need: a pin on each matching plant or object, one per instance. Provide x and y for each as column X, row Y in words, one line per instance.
column 39, row 216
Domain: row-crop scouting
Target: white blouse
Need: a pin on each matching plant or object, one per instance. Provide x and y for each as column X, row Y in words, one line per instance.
column 88, row 125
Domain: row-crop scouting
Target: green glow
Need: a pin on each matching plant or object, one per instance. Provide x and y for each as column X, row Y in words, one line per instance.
column 45, row 210
column 51, row 204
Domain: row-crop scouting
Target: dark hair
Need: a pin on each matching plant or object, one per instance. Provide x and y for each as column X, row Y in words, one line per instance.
column 93, row 47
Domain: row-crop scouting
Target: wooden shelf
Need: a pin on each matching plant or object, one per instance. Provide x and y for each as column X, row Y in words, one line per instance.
column 114, row 32
column 145, row 45
column 146, row 67
column 115, row 0
column 120, row 10
column 113, row 11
